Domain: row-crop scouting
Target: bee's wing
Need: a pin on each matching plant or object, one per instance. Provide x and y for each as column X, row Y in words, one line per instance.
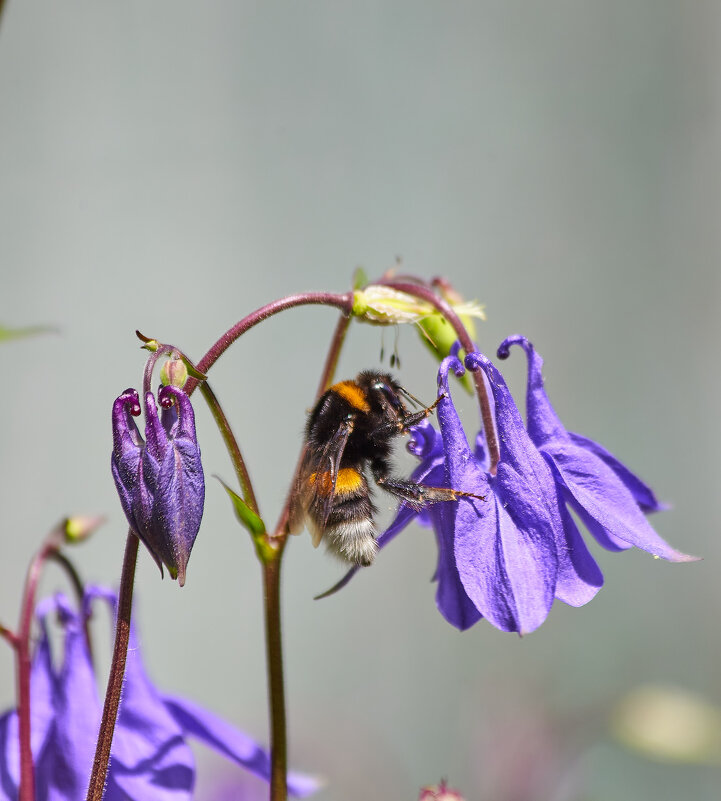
column 319, row 474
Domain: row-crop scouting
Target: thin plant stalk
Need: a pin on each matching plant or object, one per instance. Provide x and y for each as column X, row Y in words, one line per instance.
column 117, row 671
column 427, row 294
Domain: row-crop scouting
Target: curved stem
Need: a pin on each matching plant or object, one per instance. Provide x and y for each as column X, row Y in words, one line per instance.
column 27, row 776
column 79, row 589
column 236, row 457
column 23, row 659
column 343, row 302
column 445, row 309
column 117, row 671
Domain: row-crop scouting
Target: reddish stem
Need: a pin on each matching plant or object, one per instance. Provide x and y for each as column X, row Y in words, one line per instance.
column 422, row 292
column 343, row 302
column 23, row 660
column 117, row 672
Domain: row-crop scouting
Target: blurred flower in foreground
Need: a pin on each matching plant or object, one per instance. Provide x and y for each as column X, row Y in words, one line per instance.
column 150, row 760
column 442, row 792
column 669, row 724
column 160, row 481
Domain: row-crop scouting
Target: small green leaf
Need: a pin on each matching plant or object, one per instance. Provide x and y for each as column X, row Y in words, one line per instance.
column 360, row 279
column 250, row 521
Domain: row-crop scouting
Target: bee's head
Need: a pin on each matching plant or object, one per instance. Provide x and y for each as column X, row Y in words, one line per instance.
column 384, row 394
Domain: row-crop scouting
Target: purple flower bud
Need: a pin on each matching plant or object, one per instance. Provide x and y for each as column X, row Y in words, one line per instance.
column 160, row 481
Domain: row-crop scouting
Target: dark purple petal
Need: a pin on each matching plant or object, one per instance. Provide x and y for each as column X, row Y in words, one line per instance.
column 127, row 454
column 160, row 483
column 232, row 743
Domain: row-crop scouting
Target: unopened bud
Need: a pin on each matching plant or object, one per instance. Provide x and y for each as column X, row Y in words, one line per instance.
column 79, row 528
column 174, row 373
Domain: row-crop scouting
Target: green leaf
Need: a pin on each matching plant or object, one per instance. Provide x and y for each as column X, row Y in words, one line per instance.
column 250, row 521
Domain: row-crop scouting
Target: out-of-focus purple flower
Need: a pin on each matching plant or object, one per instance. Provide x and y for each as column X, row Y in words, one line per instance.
column 150, row 760
column 608, row 497
column 160, row 480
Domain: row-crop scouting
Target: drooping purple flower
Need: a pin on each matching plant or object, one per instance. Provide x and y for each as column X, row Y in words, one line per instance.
column 160, row 481
column 150, row 760
column 608, row 497
column 515, row 551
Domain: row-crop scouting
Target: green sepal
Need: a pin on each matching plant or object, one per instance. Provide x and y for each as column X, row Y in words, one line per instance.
column 252, row 522
column 193, row 372
column 360, row 279
column 438, row 336
column 148, row 343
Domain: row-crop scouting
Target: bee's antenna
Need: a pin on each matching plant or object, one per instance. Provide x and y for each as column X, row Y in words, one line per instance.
column 412, row 398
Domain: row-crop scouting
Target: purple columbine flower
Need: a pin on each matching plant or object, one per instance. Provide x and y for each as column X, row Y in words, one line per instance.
column 505, row 558
column 608, row 497
column 517, row 550
column 150, row 760
column 160, row 481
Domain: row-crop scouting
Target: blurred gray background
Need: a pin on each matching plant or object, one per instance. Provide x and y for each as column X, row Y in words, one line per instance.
column 170, row 166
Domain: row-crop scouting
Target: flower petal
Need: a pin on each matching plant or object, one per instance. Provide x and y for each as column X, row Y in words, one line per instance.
column 527, row 521
column 232, row 743
column 543, row 422
column 579, row 577
column 601, row 494
column 451, row 597
column 71, row 747
column 642, row 493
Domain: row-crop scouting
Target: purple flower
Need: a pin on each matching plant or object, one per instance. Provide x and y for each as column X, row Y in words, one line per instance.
column 150, row 759
column 607, row 496
column 507, row 557
column 517, row 550
column 160, row 481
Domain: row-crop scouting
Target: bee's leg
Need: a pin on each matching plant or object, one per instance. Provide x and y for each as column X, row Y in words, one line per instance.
column 411, row 420
column 407, row 421
column 419, row 495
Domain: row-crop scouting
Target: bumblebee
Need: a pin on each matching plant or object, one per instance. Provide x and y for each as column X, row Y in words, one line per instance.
column 349, row 436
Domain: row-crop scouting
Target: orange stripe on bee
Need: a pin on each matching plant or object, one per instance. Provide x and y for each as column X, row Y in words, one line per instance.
column 351, row 392
column 349, row 480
